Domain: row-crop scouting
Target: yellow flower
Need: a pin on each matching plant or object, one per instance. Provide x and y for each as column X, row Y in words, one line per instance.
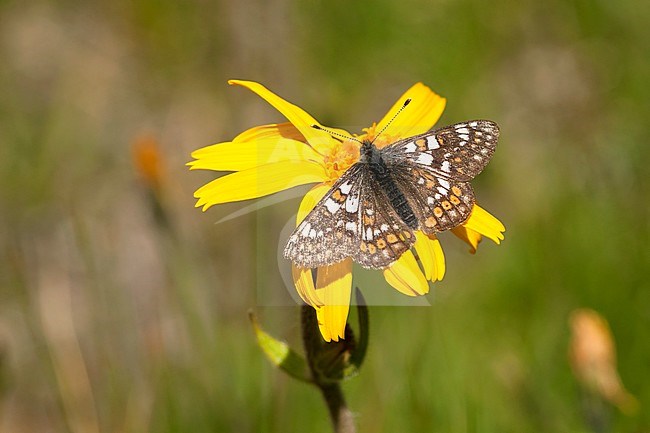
column 270, row 158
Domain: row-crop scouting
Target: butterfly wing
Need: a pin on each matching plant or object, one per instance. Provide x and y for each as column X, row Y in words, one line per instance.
column 328, row 234
column 459, row 152
column 350, row 221
column 439, row 204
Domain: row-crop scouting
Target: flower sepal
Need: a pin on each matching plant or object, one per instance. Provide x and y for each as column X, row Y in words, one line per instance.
column 327, row 362
column 336, row 360
column 280, row 354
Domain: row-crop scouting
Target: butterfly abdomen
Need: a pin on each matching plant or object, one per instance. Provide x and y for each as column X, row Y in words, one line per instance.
column 397, row 199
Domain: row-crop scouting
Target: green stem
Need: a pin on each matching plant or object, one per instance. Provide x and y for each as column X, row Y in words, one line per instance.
column 342, row 418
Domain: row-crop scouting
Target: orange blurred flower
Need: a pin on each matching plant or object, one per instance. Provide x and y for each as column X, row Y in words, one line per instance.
column 592, row 354
column 147, row 159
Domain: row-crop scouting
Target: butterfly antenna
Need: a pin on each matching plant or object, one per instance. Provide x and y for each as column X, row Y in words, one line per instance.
column 347, row 137
column 407, row 102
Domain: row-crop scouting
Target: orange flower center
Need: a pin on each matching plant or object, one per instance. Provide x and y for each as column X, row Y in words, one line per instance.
column 380, row 142
column 343, row 155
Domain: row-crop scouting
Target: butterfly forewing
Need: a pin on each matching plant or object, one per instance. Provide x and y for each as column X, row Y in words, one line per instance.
column 458, row 152
column 329, row 233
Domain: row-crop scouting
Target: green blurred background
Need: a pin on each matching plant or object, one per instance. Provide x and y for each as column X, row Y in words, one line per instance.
column 118, row 314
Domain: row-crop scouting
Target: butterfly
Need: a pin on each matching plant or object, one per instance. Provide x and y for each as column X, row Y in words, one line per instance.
column 419, row 183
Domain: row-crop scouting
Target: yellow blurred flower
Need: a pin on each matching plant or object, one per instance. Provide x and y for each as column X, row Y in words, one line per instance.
column 592, row 354
column 271, row 158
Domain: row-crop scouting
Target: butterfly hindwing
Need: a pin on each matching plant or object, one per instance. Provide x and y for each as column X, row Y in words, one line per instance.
column 383, row 237
column 439, row 204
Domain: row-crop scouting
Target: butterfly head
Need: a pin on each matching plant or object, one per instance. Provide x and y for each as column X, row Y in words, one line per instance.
column 368, row 152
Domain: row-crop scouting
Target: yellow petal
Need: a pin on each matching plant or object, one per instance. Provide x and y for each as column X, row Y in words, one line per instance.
column 405, row 275
column 431, row 256
column 333, row 286
column 237, row 156
column 470, row 236
column 310, row 199
column 304, row 282
column 277, row 130
column 319, row 140
column 282, row 130
column 482, row 222
column 419, row 116
column 257, row 182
